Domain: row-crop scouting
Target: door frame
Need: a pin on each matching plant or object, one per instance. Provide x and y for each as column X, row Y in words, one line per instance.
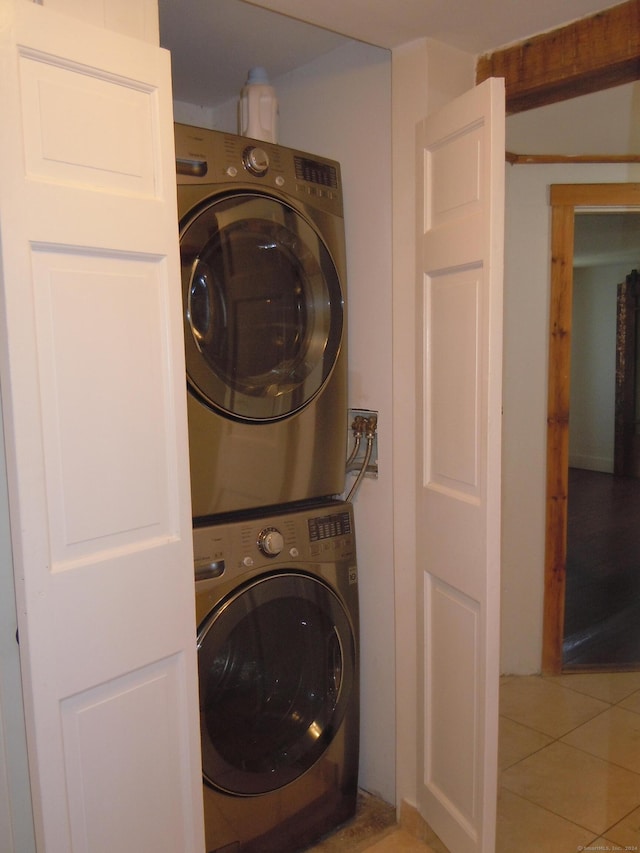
column 564, row 200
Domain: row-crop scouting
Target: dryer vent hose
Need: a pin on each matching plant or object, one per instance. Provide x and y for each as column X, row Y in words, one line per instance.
column 362, row 427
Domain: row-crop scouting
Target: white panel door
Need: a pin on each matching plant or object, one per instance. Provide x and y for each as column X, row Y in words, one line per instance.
column 460, row 245
column 93, row 392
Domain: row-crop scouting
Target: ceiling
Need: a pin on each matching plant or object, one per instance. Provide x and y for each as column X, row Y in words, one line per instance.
column 476, row 26
column 214, row 42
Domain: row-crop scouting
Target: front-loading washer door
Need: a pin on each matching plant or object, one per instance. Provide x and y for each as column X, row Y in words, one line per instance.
column 263, row 306
column 277, row 665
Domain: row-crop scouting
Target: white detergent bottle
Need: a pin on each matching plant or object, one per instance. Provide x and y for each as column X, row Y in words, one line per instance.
column 258, row 108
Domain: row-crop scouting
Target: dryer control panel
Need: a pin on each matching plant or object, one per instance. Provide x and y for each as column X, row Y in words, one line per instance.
column 206, row 156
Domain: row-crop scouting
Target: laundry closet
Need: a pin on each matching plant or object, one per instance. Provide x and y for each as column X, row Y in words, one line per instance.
column 339, row 106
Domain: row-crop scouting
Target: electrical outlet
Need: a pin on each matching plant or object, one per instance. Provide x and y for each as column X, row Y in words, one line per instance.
column 356, row 463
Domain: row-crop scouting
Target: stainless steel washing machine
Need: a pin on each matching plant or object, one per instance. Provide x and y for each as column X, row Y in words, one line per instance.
column 263, row 281
column 277, row 612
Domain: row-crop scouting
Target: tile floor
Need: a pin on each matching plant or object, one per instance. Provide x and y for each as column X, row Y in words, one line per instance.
column 570, row 769
column 570, row 763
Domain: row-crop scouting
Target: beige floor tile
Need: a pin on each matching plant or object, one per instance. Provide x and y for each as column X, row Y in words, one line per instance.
column 373, row 820
column 437, row 846
column 613, row 736
column 399, row 841
column 517, row 742
column 627, row 833
column 524, row 827
column 576, row 786
column 604, row 844
column 547, row 707
column 608, row 686
column 632, row 703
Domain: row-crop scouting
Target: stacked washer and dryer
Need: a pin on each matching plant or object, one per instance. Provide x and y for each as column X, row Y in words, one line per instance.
column 263, row 281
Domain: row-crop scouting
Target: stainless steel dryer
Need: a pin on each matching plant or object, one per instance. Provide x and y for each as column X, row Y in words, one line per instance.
column 277, row 613
column 263, row 282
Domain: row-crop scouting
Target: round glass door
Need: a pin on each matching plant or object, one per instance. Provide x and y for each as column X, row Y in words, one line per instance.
column 263, row 306
column 276, row 672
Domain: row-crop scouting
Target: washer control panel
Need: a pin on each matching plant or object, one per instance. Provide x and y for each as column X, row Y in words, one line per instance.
column 312, row 536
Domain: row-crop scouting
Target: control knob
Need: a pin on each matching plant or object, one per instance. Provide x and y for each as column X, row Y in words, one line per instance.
column 256, row 160
column 271, row 541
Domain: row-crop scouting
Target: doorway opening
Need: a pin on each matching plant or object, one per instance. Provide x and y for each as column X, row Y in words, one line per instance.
column 566, row 200
column 602, row 600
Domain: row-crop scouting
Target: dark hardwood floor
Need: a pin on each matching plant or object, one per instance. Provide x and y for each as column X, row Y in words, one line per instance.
column 602, row 601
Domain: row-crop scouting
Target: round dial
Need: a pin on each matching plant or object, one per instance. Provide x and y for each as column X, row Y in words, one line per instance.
column 256, row 160
column 271, row 541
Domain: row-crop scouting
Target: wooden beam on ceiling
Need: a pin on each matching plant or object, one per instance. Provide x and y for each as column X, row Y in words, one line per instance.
column 586, row 56
column 532, row 159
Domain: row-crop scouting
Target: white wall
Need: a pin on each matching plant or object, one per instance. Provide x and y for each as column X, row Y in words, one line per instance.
column 527, row 282
column 593, row 366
